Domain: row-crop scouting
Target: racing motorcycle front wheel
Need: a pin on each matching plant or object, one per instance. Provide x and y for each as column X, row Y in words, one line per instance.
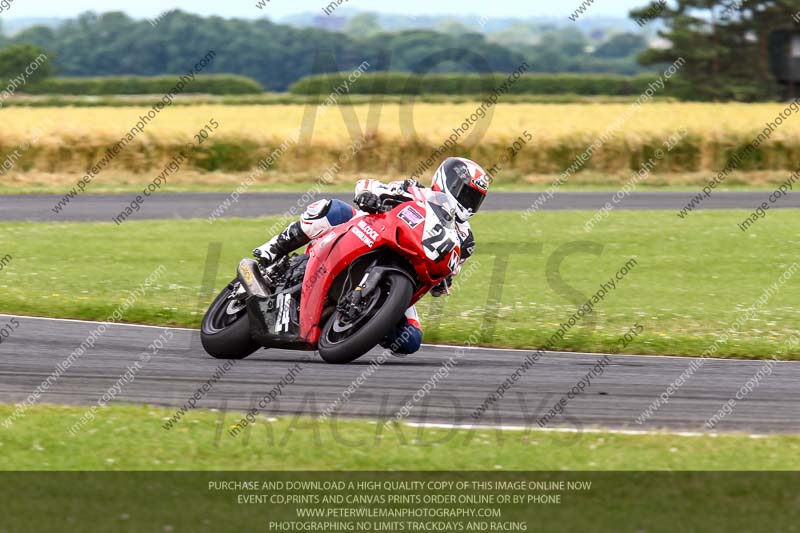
column 350, row 333
column 225, row 331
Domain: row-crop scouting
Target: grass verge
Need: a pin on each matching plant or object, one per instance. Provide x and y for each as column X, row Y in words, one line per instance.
column 127, row 474
column 132, row 438
column 693, row 278
column 61, row 100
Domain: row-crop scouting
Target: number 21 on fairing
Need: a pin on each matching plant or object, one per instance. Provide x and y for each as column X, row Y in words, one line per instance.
column 439, row 242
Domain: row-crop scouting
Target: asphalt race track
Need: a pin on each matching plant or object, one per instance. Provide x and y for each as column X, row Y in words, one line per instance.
column 103, row 207
column 628, row 385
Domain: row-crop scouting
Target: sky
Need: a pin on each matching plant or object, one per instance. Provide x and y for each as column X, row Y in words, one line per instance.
column 277, row 9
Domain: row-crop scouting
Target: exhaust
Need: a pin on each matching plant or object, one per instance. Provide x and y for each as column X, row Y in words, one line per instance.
column 251, row 279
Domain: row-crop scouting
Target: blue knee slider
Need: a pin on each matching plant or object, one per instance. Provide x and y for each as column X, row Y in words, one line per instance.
column 405, row 339
column 339, row 212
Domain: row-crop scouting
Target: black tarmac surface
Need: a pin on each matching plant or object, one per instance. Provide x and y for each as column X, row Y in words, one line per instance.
column 104, row 207
column 616, row 398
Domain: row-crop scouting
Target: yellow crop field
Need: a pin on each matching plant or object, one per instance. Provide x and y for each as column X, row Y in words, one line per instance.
column 431, row 121
column 402, row 137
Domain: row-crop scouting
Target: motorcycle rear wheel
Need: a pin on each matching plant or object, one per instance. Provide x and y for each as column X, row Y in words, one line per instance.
column 226, row 336
column 395, row 294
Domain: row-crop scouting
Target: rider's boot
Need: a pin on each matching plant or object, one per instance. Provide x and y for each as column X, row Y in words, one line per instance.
column 287, row 241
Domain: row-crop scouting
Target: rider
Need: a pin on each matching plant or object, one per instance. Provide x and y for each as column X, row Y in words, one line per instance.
column 463, row 181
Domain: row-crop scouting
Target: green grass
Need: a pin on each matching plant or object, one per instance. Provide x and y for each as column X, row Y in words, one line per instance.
column 694, row 277
column 128, row 438
column 125, row 473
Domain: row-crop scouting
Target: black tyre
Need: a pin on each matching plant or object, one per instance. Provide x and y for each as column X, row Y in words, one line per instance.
column 226, row 335
column 344, row 340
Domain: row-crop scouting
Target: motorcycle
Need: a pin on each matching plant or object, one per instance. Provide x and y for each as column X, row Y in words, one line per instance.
column 347, row 292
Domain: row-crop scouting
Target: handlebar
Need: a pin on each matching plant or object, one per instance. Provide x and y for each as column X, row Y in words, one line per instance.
column 390, row 203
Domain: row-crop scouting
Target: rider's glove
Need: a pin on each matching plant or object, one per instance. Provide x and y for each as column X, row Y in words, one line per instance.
column 368, row 201
column 443, row 287
column 411, row 182
column 264, row 255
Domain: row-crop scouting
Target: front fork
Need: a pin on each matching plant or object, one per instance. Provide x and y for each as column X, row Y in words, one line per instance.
column 349, row 306
column 369, row 282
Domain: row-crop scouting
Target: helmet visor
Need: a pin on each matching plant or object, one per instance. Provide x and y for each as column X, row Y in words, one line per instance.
column 466, row 195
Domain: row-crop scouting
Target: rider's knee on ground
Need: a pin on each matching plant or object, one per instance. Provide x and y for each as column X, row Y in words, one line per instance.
column 323, row 215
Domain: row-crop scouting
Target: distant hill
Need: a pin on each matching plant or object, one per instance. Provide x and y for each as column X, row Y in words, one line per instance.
column 12, row 26
column 391, row 22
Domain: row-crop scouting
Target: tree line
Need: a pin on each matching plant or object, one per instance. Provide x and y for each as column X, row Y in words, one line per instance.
column 733, row 49
column 277, row 55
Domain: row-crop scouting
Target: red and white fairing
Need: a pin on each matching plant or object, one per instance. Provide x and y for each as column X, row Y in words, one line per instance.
column 422, row 230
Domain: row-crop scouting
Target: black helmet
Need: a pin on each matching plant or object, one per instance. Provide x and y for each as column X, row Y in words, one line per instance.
column 465, row 183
